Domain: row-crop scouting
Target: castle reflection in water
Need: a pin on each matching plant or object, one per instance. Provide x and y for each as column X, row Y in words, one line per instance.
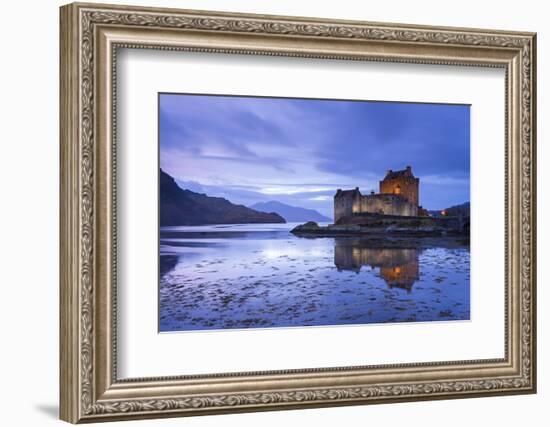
column 398, row 266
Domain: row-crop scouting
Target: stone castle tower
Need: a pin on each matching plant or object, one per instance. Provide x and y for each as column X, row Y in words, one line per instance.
column 402, row 183
column 399, row 195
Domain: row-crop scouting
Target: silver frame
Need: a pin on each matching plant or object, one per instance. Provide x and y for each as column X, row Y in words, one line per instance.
column 90, row 37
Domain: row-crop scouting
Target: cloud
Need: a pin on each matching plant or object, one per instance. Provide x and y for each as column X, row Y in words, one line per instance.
column 288, row 190
column 321, row 198
column 446, row 180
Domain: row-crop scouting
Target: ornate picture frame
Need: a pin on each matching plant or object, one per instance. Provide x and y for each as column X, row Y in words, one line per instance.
column 90, row 37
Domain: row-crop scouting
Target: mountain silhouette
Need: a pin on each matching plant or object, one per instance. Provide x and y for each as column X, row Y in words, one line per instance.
column 290, row 213
column 184, row 207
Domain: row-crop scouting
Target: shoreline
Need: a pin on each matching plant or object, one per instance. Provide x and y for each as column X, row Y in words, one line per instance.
column 386, row 236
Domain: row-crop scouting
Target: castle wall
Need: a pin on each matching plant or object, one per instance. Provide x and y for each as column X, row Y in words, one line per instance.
column 388, row 204
column 340, row 208
column 346, row 205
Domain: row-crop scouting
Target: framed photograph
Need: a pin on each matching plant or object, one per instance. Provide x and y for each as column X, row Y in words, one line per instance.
column 266, row 212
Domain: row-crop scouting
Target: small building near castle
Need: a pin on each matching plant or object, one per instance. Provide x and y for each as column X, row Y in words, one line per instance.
column 398, row 195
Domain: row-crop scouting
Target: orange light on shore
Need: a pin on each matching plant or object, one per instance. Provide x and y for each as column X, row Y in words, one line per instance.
column 444, row 213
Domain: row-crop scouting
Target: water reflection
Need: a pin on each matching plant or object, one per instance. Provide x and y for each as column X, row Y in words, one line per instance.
column 256, row 276
column 398, row 267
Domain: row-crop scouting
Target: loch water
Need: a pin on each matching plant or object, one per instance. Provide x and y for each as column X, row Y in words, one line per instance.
column 262, row 276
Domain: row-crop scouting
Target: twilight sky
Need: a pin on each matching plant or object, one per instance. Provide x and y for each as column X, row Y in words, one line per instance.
column 299, row 151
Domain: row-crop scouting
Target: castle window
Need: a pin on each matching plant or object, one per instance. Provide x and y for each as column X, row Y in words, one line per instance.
column 397, row 190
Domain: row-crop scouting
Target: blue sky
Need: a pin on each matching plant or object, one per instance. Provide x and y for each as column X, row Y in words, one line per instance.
column 299, row 151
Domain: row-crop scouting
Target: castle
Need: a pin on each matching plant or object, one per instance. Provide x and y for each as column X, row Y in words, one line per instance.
column 398, row 196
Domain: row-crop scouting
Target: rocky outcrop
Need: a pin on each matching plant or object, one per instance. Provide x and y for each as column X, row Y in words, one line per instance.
column 366, row 219
column 384, row 226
